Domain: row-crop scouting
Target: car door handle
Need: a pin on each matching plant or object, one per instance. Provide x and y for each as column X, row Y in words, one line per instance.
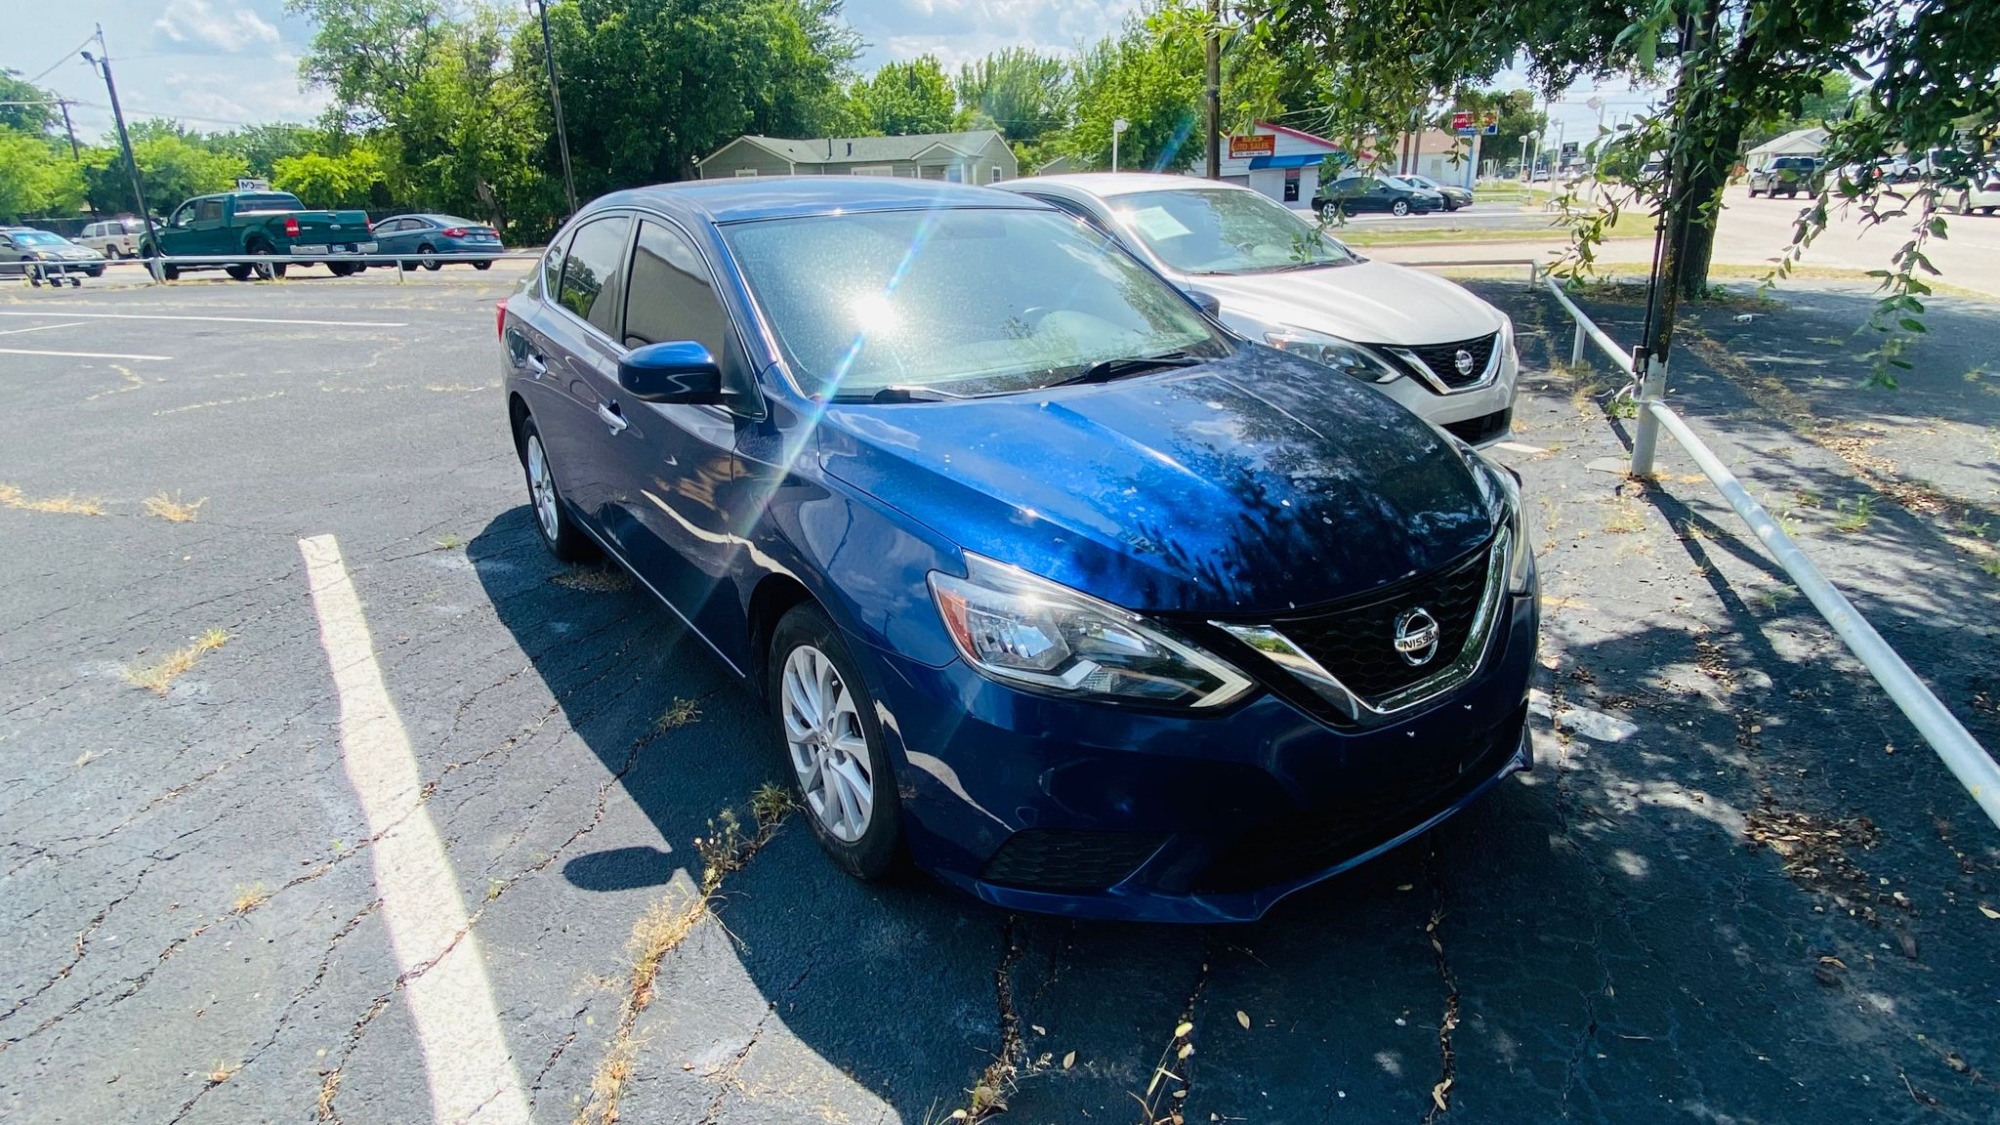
column 612, row 417
column 536, row 365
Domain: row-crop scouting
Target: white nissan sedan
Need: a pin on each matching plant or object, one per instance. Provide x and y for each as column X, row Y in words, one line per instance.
column 1425, row 341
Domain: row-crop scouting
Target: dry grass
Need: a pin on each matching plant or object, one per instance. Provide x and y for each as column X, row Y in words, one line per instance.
column 249, row 898
column 448, row 542
column 329, row 1088
column 67, row 505
column 171, row 508
column 222, row 1072
column 679, row 714
column 1626, row 521
column 595, row 579
column 159, row 677
column 667, row 923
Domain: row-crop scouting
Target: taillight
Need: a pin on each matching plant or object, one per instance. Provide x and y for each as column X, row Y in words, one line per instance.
column 454, row 232
column 370, row 224
column 291, row 226
column 500, row 319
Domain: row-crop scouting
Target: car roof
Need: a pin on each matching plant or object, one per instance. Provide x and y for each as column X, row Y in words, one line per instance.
column 1107, row 185
column 746, row 198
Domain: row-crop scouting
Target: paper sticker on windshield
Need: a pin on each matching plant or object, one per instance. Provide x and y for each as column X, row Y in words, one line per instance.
column 1154, row 224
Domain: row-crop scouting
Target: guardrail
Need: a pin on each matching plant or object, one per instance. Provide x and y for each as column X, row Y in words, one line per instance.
column 155, row 266
column 1962, row 754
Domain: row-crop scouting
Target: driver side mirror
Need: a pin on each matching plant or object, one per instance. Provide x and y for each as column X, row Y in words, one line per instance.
column 1209, row 302
column 679, row 371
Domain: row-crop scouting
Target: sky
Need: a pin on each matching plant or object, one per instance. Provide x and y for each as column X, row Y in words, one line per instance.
column 214, row 64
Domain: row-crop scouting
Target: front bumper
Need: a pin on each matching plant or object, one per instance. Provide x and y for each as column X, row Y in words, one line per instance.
column 1096, row 811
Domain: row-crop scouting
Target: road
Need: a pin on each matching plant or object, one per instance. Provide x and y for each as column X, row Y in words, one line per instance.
column 329, row 796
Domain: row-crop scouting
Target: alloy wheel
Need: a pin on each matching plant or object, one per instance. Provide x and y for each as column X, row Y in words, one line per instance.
column 542, row 489
column 828, row 749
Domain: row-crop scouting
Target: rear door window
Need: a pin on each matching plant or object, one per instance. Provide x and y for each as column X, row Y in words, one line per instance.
column 592, row 269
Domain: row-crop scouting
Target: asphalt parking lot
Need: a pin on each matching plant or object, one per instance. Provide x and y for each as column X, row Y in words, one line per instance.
column 329, row 796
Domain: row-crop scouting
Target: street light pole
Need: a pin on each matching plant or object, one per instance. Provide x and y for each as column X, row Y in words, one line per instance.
column 1117, row 126
column 555, row 102
column 103, row 63
column 1214, row 90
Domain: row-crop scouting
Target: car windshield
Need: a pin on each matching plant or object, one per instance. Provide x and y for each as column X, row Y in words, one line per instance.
column 1221, row 230
column 957, row 301
column 37, row 238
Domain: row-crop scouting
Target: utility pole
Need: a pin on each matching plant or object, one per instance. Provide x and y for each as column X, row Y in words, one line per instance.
column 555, row 102
column 103, row 63
column 1214, row 89
column 71, row 130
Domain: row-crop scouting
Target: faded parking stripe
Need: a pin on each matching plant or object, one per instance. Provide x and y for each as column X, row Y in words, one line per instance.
column 471, row 1073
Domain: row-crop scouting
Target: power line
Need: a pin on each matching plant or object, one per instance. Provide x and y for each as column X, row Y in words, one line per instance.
column 66, row 57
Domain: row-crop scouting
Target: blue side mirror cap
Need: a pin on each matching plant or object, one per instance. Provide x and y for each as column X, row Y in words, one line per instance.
column 679, row 371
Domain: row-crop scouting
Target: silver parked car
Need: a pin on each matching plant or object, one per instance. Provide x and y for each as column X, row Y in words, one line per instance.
column 42, row 256
column 114, row 238
column 1424, row 341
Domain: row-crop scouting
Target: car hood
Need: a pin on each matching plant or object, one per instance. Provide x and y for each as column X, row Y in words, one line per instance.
column 1253, row 484
column 1368, row 302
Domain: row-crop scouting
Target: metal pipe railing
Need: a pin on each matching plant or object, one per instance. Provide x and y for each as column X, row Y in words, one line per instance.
column 1962, row 754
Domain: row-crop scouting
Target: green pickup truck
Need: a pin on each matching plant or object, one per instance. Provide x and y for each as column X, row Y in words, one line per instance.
column 258, row 224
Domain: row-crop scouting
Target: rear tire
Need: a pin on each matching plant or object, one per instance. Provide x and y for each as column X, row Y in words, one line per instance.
column 558, row 530
column 111, row 254
column 841, row 773
column 1400, row 208
column 487, row 265
column 269, row 271
column 340, row 269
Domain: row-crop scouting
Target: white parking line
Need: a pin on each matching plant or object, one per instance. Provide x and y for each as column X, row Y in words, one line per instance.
column 472, row 1076
column 40, row 328
column 80, row 355
column 222, row 319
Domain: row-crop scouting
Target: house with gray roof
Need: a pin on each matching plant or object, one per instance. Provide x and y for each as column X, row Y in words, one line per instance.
column 977, row 157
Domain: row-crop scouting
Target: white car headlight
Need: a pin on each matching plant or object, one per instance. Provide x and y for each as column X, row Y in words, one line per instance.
column 1520, row 552
column 1343, row 356
column 1026, row 630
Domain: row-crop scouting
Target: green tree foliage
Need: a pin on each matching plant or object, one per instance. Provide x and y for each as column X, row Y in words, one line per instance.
column 37, row 176
column 26, row 118
column 649, row 86
column 351, row 179
column 174, row 164
column 907, row 97
column 1023, row 93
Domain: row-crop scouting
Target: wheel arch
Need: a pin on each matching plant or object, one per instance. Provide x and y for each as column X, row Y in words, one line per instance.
column 517, row 414
column 774, row 596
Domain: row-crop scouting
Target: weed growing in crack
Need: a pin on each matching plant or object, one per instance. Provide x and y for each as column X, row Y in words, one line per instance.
column 171, row 508
column 249, row 898
column 1626, row 522
column 68, row 505
column 448, row 542
column 222, row 1072
column 679, row 714
column 1854, row 516
column 161, row 676
column 593, row 579
column 667, row 923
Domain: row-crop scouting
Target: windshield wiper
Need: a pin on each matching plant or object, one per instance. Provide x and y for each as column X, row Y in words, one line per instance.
column 1105, row 370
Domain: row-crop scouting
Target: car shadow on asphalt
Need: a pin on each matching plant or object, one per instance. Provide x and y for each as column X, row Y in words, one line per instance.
column 1487, row 948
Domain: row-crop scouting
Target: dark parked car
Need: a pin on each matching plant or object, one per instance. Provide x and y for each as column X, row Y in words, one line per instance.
column 1453, row 195
column 1089, row 604
column 1353, row 195
column 1788, row 176
column 429, row 236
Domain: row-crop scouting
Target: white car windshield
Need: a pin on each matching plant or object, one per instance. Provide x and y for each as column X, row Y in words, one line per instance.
column 960, row 301
column 1224, row 230
column 38, row 238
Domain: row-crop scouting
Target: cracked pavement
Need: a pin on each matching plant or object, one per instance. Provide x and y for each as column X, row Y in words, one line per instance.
column 1736, row 887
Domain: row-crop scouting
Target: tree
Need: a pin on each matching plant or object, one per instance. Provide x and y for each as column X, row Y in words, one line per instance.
column 907, row 97
column 173, row 165
column 38, row 115
column 347, row 180
column 1021, row 92
column 36, row 177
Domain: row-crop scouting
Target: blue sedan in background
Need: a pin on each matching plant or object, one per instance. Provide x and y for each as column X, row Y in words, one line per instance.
column 428, row 236
column 1084, row 602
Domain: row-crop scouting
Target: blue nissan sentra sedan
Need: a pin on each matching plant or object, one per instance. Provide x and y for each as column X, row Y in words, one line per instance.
column 1054, row 584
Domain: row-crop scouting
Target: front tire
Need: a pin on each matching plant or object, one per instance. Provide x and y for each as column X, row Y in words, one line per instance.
column 340, row 269
column 1400, row 208
column 485, row 265
column 431, row 264
column 111, row 254
column 559, row 532
column 834, row 745
column 240, row 273
column 1329, row 212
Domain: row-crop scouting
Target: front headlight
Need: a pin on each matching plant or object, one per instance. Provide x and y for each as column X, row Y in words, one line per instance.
column 1343, row 356
column 1520, row 553
column 1026, row 630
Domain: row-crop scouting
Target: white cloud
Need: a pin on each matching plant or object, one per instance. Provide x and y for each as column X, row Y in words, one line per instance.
column 215, row 99
column 959, row 31
column 199, row 22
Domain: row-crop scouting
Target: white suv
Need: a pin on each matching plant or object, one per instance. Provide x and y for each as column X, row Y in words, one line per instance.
column 114, row 238
column 1426, row 342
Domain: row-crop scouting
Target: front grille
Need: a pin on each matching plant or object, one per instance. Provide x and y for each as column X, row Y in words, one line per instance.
column 1302, row 844
column 1442, row 359
column 1355, row 642
column 1049, row 859
column 1484, row 428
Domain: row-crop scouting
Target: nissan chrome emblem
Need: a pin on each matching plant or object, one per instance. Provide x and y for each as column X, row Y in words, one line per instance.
column 1416, row 637
column 1462, row 361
